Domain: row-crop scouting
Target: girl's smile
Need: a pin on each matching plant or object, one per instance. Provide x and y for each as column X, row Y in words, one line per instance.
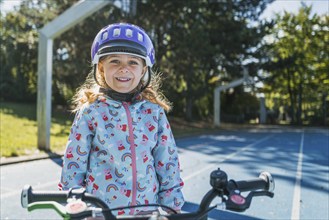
column 122, row 72
column 121, row 79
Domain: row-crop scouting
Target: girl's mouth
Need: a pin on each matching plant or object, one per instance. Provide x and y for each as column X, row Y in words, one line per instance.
column 123, row 79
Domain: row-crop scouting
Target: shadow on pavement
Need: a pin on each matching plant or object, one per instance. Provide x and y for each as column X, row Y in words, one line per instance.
column 216, row 214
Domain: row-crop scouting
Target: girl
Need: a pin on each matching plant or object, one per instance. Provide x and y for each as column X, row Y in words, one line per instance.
column 121, row 147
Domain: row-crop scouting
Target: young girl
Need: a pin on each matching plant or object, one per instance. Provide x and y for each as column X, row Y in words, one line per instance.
column 121, row 147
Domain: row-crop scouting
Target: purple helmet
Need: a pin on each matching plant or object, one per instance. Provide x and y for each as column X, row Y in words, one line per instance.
column 123, row 38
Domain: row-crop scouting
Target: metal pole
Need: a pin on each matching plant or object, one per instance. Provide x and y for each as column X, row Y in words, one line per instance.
column 262, row 110
column 45, row 56
column 217, row 97
column 217, row 107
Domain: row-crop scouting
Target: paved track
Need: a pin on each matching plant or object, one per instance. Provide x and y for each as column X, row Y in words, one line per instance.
column 297, row 159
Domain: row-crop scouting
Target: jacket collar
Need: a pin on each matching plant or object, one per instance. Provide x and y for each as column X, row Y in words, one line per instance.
column 117, row 104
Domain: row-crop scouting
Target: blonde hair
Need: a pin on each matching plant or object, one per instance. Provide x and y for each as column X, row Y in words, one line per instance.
column 89, row 91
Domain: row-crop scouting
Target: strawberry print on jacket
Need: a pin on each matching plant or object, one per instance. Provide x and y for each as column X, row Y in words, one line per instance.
column 125, row 154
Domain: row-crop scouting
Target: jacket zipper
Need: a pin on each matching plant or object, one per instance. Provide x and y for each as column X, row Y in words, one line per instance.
column 133, row 156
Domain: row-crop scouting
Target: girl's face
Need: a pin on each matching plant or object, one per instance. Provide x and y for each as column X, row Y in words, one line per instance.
column 122, row 72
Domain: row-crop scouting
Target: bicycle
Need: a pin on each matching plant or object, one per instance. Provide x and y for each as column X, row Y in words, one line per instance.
column 79, row 203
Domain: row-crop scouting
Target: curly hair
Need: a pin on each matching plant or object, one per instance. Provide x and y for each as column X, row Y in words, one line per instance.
column 89, row 91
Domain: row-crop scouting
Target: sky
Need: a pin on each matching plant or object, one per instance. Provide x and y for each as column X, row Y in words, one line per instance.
column 278, row 6
column 8, row 5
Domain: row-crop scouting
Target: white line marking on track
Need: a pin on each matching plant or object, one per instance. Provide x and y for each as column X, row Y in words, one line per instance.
column 226, row 158
column 296, row 199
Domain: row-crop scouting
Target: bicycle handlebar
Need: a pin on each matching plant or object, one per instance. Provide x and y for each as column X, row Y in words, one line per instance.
column 250, row 185
column 228, row 190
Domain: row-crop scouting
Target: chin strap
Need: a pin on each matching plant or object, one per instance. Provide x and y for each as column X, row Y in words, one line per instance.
column 123, row 97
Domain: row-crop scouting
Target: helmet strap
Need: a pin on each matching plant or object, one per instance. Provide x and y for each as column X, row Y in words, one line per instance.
column 94, row 73
column 149, row 71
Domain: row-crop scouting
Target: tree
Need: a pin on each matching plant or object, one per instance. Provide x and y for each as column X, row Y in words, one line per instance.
column 19, row 41
column 197, row 43
column 298, row 62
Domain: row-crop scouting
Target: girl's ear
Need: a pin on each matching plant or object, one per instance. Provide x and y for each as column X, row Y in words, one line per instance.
column 100, row 67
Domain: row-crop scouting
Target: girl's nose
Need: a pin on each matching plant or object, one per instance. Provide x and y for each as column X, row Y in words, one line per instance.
column 124, row 69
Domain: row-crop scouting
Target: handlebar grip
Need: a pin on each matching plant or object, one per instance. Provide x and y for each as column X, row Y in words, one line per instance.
column 28, row 196
column 265, row 182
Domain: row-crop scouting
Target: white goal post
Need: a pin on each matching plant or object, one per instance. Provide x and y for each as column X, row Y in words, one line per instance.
column 53, row 29
column 246, row 78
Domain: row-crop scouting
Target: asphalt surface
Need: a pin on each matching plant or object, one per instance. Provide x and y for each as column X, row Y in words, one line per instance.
column 296, row 158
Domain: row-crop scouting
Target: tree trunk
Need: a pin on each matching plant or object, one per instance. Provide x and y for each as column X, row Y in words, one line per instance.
column 292, row 102
column 324, row 108
column 300, row 101
column 189, row 97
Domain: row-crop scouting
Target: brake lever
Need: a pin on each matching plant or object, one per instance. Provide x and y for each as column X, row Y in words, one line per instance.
column 237, row 202
column 60, row 209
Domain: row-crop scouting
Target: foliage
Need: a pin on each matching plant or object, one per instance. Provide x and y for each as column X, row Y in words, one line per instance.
column 196, row 42
column 187, row 68
column 19, row 41
column 199, row 41
column 297, row 64
column 199, row 45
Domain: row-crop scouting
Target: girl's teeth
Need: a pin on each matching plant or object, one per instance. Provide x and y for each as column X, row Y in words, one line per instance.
column 123, row 79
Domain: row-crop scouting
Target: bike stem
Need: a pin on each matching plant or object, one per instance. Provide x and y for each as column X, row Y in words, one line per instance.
column 205, row 203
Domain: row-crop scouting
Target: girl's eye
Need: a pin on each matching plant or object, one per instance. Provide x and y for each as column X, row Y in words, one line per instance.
column 114, row 61
column 132, row 62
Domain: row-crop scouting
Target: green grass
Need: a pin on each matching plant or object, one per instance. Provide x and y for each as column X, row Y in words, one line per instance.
column 18, row 129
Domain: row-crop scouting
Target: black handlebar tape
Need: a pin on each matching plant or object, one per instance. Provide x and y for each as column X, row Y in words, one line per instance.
column 60, row 197
column 248, row 185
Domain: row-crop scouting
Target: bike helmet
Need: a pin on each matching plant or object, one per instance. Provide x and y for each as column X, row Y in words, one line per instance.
column 123, row 38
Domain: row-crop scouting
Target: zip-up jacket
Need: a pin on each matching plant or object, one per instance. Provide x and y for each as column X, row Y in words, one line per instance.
column 125, row 154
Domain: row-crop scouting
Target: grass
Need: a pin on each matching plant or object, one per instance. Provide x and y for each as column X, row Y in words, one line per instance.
column 18, row 129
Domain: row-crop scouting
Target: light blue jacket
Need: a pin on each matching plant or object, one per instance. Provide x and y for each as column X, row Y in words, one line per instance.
column 125, row 154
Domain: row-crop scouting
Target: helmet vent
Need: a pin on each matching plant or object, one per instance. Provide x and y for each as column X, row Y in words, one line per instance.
column 129, row 33
column 105, row 35
column 140, row 37
column 116, row 32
